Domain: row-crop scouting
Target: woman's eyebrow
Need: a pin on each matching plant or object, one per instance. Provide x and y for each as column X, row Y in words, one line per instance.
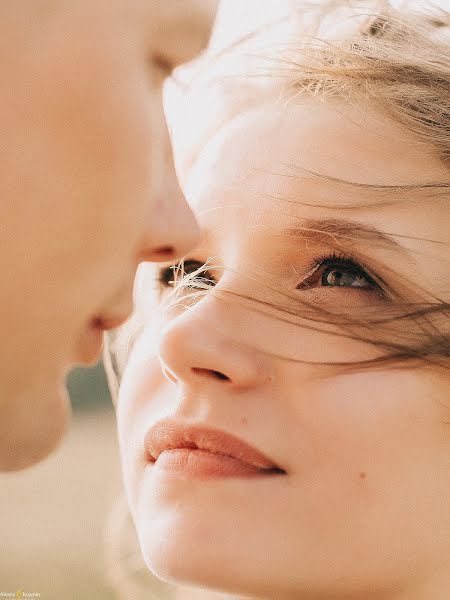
column 320, row 230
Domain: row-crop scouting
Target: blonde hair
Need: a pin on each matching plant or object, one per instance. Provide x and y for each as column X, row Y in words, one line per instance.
column 396, row 60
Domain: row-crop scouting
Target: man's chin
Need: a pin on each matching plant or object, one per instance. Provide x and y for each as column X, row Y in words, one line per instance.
column 32, row 427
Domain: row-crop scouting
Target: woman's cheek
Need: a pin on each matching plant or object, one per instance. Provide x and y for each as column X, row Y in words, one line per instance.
column 360, row 425
column 144, row 396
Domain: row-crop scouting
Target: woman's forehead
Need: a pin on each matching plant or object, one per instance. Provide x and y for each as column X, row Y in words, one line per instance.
column 270, row 150
column 251, row 183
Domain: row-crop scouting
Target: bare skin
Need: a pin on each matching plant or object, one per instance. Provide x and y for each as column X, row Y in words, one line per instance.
column 88, row 189
column 362, row 512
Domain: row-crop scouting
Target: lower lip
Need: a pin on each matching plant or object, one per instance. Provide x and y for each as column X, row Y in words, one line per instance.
column 201, row 464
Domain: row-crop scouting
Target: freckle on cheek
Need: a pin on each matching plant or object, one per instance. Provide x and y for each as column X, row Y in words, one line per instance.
column 362, row 475
column 244, row 421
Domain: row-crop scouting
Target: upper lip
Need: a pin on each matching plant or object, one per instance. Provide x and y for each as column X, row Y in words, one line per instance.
column 169, row 434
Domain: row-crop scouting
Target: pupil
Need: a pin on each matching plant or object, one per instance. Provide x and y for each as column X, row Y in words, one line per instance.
column 335, row 277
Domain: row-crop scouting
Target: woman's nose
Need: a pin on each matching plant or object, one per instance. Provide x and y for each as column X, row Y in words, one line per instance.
column 197, row 347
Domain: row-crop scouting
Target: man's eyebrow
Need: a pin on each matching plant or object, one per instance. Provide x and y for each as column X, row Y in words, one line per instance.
column 346, row 232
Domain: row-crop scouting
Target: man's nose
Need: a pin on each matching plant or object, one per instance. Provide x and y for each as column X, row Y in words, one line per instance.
column 173, row 232
column 199, row 347
column 172, row 229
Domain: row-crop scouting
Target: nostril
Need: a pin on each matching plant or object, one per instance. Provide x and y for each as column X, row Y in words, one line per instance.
column 210, row 373
column 164, row 252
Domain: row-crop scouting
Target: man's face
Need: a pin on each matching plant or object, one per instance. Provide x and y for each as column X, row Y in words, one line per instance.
column 88, row 189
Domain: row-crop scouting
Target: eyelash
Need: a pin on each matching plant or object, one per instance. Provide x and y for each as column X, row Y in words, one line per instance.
column 344, row 261
column 166, row 274
column 347, row 263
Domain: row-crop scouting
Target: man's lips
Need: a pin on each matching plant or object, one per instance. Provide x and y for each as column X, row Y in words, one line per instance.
column 90, row 344
column 171, row 434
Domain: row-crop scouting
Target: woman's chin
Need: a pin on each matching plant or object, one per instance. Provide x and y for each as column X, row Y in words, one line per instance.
column 186, row 561
column 175, row 551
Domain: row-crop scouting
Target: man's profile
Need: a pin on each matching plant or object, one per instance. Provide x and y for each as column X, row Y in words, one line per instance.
column 86, row 192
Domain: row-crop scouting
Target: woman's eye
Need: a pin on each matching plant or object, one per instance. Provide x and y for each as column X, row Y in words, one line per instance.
column 168, row 277
column 339, row 272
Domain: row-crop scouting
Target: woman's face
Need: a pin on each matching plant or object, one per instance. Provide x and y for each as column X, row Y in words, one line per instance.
column 362, row 508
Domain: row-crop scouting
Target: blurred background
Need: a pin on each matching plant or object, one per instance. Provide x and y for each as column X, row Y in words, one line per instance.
column 53, row 514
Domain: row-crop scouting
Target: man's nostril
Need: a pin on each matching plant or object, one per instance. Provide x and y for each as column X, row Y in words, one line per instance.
column 210, row 373
column 164, row 252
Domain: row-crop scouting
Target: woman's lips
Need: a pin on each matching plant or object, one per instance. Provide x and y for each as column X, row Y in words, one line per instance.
column 204, row 453
column 203, row 464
